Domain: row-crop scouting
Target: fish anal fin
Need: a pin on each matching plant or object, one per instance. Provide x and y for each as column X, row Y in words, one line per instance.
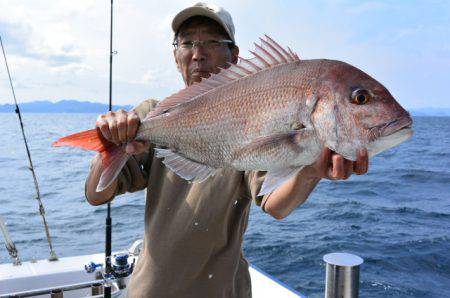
column 277, row 178
column 112, row 161
column 185, row 168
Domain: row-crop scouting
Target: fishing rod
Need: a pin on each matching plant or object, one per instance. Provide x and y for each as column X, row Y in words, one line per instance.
column 108, row 220
column 53, row 256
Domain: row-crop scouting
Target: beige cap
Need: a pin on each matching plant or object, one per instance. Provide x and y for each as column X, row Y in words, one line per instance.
column 212, row 11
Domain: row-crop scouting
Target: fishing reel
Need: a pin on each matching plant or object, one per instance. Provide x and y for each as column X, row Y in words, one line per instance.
column 92, row 267
column 121, row 267
column 119, row 270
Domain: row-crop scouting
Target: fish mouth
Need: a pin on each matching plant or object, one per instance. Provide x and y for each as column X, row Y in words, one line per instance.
column 396, row 125
column 390, row 127
column 389, row 134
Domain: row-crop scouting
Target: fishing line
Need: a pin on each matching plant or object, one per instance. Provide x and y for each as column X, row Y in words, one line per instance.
column 53, row 256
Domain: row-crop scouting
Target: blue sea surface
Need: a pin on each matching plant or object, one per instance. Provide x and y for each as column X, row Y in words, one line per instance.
column 396, row 217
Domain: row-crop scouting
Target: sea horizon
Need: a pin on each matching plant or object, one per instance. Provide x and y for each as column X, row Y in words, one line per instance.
column 87, row 106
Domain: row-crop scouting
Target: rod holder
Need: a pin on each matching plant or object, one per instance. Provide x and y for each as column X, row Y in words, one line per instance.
column 97, row 289
column 342, row 275
column 57, row 293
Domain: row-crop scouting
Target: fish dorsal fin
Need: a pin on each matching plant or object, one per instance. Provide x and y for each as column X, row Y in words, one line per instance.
column 267, row 54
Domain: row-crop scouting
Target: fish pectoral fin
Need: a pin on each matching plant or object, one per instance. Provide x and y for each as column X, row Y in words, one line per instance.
column 274, row 140
column 284, row 154
column 185, row 168
column 275, row 147
column 276, row 178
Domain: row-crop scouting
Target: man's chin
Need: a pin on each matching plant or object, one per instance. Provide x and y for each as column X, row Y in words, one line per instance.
column 198, row 78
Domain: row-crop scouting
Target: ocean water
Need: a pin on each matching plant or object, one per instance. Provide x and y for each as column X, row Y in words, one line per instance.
column 396, row 217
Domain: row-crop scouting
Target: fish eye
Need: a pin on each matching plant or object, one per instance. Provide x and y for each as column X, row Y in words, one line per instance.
column 360, row 96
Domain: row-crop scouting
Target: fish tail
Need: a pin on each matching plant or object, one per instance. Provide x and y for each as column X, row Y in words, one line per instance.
column 113, row 157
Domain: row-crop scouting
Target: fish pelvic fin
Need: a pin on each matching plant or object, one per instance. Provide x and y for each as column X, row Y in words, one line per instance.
column 113, row 157
column 185, row 168
column 266, row 55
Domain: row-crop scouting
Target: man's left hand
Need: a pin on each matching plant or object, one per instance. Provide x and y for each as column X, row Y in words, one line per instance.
column 334, row 166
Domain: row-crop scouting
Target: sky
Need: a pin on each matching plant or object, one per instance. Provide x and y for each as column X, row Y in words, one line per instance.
column 59, row 49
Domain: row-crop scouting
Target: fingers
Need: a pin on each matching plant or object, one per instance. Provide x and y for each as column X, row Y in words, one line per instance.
column 133, row 122
column 337, row 168
column 118, row 127
column 341, row 168
column 137, row 147
column 323, row 164
column 122, row 126
column 114, row 131
column 103, row 125
column 361, row 166
column 348, row 168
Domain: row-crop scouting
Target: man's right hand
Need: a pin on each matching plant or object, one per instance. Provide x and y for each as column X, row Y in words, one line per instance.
column 120, row 128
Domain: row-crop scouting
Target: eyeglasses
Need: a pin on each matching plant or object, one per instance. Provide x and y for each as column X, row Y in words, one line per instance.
column 207, row 44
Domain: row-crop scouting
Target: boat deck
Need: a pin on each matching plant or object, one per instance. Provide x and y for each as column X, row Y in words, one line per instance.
column 43, row 274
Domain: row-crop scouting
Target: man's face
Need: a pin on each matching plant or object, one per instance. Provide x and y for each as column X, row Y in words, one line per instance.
column 201, row 60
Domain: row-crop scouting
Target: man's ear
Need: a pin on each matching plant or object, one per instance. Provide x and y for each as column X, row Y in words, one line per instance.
column 176, row 60
column 234, row 54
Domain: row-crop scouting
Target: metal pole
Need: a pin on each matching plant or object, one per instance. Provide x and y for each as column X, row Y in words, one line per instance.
column 342, row 275
column 108, row 220
column 107, row 291
column 68, row 288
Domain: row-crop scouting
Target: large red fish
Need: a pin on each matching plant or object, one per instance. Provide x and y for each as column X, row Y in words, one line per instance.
column 274, row 113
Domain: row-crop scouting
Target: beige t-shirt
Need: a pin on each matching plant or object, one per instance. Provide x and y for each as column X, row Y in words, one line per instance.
column 193, row 231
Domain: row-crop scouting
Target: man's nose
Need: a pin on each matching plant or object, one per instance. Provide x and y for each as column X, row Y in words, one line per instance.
column 198, row 53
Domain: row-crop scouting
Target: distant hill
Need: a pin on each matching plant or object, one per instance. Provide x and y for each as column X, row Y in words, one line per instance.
column 430, row 112
column 63, row 106
column 75, row 106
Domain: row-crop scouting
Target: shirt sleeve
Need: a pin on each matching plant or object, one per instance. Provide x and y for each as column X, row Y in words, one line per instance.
column 145, row 107
column 253, row 182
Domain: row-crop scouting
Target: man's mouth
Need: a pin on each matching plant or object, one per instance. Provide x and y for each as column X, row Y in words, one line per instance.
column 201, row 73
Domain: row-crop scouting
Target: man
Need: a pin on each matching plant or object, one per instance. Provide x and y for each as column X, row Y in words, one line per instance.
column 194, row 231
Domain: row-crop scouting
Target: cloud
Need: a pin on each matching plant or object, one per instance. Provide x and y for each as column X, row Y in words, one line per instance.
column 365, row 7
column 60, row 49
column 21, row 40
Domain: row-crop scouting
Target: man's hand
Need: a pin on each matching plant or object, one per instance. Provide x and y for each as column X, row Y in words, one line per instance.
column 120, row 128
column 294, row 192
column 334, row 166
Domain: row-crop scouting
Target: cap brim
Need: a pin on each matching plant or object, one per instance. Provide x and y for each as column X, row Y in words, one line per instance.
column 198, row 11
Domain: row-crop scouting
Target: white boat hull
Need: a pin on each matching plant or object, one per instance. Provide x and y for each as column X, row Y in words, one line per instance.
column 44, row 274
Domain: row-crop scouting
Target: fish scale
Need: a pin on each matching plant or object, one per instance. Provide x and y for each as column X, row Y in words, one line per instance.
column 233, row 115
column 273, row 112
